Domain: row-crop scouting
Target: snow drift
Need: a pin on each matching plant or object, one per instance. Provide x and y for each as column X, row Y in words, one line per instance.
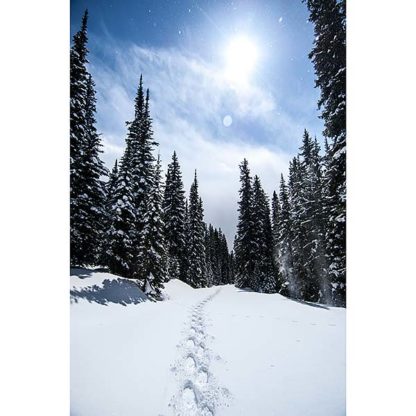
column 201, row 352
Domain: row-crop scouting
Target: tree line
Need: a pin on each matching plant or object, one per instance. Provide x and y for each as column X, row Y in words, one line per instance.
column 143, row 227
column 135, row 224
column 299, row 248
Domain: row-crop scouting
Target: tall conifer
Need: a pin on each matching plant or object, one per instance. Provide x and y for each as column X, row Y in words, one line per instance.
column 196, row 248
column 244, row 244
column 174, row 220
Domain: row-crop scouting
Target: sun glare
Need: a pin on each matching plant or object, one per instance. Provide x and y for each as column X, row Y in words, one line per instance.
column 241, row 57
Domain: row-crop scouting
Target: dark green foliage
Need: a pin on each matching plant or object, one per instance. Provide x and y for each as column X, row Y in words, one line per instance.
column 219, row 269
column 152, row 255
column 244, row 245
column 253, row 245
column 263, row 279
column 287, row 284
column 195, row 239
column 87, row 189
column 329, row 58
column 121, row 232
column 174, row 220
column 135, row 244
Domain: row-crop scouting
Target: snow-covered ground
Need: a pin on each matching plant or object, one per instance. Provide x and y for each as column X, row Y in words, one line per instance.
column 214, row 351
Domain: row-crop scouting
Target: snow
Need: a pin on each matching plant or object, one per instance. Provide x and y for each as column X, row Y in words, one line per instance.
column 211, row 351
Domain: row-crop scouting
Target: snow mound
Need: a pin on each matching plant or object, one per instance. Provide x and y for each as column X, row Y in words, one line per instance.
column 176, row 289
column 103, row 288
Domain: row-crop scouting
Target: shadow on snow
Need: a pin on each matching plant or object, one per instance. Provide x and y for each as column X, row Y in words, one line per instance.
column 119, row 291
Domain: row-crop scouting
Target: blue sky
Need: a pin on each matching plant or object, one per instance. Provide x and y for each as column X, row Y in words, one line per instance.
column 183, row 50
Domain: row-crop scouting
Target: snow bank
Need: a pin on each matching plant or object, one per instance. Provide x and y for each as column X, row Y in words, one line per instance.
column 213, row 351
column 103, row 288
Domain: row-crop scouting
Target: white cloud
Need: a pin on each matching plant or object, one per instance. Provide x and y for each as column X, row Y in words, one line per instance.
column 189, row 99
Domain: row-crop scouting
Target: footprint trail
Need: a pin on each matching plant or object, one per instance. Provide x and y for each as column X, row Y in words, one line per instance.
column 198, row 393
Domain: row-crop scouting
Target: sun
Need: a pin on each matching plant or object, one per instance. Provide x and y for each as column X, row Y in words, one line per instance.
column 241, row 56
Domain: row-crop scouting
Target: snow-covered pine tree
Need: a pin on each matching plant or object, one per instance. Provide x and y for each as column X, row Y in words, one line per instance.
column 94, row 195
column 287, row 283
column 244, row 245
column 174, row 220
column 263, row 279
column 78, row 94
column 109, row 201
column 185, row 253
column 224, row 258
column 196, row 249
column 153, row 256
column 232, row 267
column 300, row 273
column 141, row 164
column 329, row 58
column 120, row 235
column 215, row 255
column 209, row 273
column 275, row 238
column 87, row 195
column 310, row 215
column 335, row 234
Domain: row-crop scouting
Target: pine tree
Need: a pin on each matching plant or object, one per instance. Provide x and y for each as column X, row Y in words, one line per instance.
column 196, row 249
column 232, row 267
column 329, row 58
column 263, row 279
column 94, row 195
column 209, row 261
column 275, row 238
column 224, row 258
column 141, row 166
column 128, row 253
column 120, row 235
column 153, row 250
column 108, row 219
column 298, row 229
column 87, row 195
column 286, row 267
column 244, row 245
column 174, row 220
column 310, row 215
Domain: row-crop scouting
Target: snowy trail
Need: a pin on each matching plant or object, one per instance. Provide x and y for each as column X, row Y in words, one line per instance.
column 198, row 393
column 130, row 357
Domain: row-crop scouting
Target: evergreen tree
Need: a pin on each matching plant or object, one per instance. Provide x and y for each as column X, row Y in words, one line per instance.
column 224, row 258
column 244, row 244
column 329, row 58
column 94, row 195
column 153, row 250
column 131, row 246
column 232, row 267
column 335, row 233
column 196, row 249
column 109, row 201
column 141, row 165
column 209, row 261
column 121, row 232
column 300, row 274
column 310, row 215
column 263, row 279
column 174, row 220
column 111, row 184
column 287, row 284
column 87, row 194
column 275, row 237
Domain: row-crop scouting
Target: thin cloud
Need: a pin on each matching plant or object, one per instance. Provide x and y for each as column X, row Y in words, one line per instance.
column 189, row 99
